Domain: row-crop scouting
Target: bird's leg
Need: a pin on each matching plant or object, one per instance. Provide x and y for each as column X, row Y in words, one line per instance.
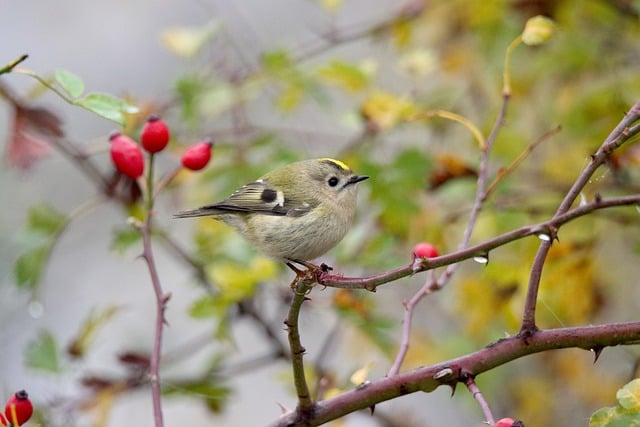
column 295, row 269
column 316, row 272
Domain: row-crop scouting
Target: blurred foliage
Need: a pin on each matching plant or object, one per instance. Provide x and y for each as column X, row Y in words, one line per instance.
column 625, row 413
column 361, row 106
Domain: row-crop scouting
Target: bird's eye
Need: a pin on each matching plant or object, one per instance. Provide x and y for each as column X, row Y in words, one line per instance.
column 333, row 181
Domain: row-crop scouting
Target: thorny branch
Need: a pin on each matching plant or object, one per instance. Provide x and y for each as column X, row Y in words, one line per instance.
column 622, row 132
column 370, row 283
column 428, row 378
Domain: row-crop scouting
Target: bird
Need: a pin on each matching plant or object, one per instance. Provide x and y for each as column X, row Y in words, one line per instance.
column 295, row 213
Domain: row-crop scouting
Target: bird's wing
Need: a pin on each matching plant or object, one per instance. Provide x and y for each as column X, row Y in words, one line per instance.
column 255, row 197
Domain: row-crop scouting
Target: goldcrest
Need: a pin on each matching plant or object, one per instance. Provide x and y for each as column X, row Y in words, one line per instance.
column 295, row 213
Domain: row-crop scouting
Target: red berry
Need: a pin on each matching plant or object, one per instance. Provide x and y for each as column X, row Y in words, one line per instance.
column 155, row 134
column 20, row 406
column 126, row 155
column 197, row 156
column 425, row 250
column 508, row 422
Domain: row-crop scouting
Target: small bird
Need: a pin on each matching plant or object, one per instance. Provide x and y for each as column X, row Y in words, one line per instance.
column 295, row 213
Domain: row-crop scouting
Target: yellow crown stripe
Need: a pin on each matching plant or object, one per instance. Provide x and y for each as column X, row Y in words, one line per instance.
column 338, row 163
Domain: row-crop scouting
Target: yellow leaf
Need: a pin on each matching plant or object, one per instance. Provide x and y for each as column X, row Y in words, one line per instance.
column 88, row 330
column 237, row 280
column 402, row 32
column 187, row 41
column 290, row 97
column 362, row 374
column 346, row 76
column 384, row 110
column 331, row 5
column 417, row 63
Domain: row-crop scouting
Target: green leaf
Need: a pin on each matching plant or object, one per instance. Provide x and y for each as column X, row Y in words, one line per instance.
column 190, row 89
column 214, row 394
column 70, row 83
column 43, row 353
column 629, row 396
column 346, row 76
column 601, row 416
column 124, row 238
column 277, row 61
column 613, row 417
column 82, row 340
column 204, row 307
column 107, row 106
column 29, row 267
column 44, row 219
column 625, row 414
column 45, row 224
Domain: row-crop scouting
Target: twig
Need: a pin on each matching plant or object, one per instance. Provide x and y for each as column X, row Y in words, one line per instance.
column 11, row 65
column 161, row 299
column 477, row 395
column 503, row 173
column 407, row 321
column 622, row 132
column 301, row 286
column 480, row 197
column 370, row 283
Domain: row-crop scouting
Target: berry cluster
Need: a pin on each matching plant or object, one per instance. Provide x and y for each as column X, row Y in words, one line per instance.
column 17, row 410
column 127, row 156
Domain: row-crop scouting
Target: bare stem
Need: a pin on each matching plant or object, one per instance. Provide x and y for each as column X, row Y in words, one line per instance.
column 407, row 321
column 301, row 287
column 481, row 195
column 622, row 132
column 477, row 395
column 11, row 65
column 161, row 299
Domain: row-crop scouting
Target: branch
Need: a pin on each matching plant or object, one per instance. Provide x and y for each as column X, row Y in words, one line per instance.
column 477, row 395
column 161, row 298
column 301, row 287
column 370, row 283
column 481, row 196
column 428, row 378
column 622, row 132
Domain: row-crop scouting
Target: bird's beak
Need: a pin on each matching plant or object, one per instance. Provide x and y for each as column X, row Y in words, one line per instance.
column 356, row 179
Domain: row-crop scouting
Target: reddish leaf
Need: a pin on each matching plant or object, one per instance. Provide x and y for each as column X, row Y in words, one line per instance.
column 33, row 129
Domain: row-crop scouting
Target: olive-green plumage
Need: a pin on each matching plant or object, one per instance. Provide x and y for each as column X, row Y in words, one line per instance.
column 296, row 212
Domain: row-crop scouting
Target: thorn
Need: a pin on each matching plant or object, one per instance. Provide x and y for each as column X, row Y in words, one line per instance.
column 166, row 297
column 453, row 388
column 372, row 408
column 283, row 408
column 598, row 198
column 597, row 351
